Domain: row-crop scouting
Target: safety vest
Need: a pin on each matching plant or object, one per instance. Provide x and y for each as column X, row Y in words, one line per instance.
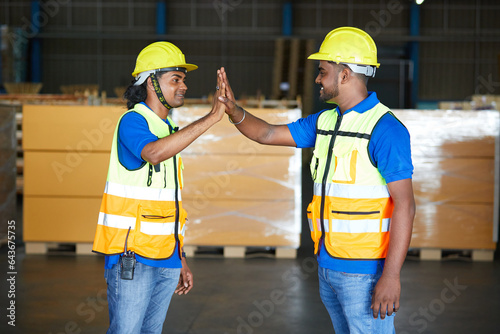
column 351, row 208
column 141, row 209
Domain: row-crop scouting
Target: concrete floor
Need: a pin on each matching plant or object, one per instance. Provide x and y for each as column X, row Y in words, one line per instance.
column 66, row 294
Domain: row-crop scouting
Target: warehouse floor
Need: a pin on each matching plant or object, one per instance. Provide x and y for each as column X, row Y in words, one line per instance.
column 66, row 294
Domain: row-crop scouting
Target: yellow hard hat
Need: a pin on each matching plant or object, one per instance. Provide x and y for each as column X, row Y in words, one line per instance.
column 159, row 56
column 348, row 45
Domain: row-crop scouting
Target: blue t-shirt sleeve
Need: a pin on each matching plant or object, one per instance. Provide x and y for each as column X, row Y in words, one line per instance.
column 133, row 135
column 304, row 130
column 390, row 149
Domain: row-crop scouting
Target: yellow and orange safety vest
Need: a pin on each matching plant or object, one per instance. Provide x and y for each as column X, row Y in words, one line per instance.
column 142, row 207
column 351, row 208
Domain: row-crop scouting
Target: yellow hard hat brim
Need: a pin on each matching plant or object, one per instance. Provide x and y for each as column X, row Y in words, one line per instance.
column 328, row 57
column 319, row 56
column 189, row 67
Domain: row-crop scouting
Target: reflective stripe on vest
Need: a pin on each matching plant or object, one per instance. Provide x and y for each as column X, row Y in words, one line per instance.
column 145, row 203
column 141, row 193
column 351, row 208
column 125, row 223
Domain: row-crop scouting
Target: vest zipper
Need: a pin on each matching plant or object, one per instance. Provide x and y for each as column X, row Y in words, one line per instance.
column 156, row 216
column 315, row 169
column 354, row 213
column 177, row 207
column 325, row 175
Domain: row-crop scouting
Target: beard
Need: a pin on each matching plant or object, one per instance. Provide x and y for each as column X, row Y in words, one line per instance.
column 327, row 95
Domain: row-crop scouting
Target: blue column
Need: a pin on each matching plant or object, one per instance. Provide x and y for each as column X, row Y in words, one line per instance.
column 287, row 19
column 414, row 49
column 36, row 43
column 161, row 17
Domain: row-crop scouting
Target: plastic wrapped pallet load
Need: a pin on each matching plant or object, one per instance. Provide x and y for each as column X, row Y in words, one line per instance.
column 241, row 193
column 237, row 192
column 455, row 156
column 66, row 156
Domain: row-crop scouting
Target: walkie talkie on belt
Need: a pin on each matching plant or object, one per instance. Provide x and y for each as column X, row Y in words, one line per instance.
column 127, row 262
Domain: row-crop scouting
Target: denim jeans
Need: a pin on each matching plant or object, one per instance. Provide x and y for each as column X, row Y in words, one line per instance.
column 348, row 298
column 139, row 305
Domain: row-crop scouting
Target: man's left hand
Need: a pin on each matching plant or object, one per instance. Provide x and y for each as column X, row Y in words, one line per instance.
column 185, row 280
column 385, row 298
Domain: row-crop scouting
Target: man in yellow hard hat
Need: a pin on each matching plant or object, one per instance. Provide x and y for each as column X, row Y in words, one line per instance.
column 141, row 221
column 361, row 214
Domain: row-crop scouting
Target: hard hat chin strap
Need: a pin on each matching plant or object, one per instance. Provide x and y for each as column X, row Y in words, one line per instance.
column 158, row 91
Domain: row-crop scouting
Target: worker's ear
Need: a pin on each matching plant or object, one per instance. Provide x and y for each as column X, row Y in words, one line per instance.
column 345, row 75
column 149, row 84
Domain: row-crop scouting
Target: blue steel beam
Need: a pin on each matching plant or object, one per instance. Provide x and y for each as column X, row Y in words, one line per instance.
column 414, row 49
column 36, row 43
column 287, row 19
column 161, row 18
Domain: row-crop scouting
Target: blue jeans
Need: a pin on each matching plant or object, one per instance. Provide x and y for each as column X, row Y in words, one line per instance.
column 348, row 298
column 139, row 305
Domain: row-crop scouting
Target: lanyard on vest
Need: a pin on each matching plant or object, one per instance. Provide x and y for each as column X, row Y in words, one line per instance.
column 325, row 174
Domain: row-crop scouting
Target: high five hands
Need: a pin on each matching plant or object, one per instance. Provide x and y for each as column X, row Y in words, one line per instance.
column 228, row 97
column 218, row 107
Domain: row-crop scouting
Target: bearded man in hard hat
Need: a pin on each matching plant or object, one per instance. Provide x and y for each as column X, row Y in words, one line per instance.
column 361, row 215
column 141, row 221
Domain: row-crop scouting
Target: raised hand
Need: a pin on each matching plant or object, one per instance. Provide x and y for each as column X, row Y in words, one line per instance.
column 228, row 97
column 218, row 107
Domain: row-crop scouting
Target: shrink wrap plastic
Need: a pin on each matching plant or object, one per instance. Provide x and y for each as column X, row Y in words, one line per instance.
column 455, row 158
column 66, row 157
column 238, row 192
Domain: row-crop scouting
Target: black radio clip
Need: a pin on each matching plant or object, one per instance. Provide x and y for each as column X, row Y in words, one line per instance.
column 127, row 262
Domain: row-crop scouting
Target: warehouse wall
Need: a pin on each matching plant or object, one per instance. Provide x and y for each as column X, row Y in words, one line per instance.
column 460, row 49
column 96, row 41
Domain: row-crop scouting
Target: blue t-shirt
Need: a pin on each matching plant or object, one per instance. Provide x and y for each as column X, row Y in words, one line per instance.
column 389, row 148
column 133, row 135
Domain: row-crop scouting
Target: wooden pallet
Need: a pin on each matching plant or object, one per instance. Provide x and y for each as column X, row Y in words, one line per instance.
column 240, row 252
column 438, row 254
column 53, row 248
column 76, row 248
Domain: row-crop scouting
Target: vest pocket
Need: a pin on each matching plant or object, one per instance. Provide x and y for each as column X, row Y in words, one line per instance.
column 314, row 220
column 155, row 232
column 156, row 216
column 317, row 158
column 355, row 216
column 355, row 229
column 345, row 167
column 157, row 221
column 356, row 213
